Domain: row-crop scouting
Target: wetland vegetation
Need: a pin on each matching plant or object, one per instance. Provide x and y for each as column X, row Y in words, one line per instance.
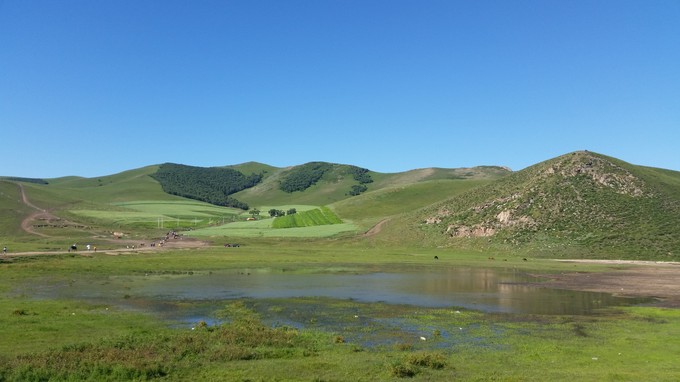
column 109, row 328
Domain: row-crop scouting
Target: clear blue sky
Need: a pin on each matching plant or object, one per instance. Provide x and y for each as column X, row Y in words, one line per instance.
column 93, row 88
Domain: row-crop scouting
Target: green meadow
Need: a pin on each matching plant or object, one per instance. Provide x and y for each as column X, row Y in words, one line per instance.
column 161, row 214
column 72, row 339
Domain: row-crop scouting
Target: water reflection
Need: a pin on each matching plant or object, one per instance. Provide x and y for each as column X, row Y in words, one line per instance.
column 488, row 290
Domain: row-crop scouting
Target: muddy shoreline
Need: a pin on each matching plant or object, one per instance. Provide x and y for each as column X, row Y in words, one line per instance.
column 660, row 280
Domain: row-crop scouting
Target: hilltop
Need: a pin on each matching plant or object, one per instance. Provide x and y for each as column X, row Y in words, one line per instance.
column 581, row 204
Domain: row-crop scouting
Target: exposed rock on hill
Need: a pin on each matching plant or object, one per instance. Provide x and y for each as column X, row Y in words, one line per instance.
column 573, row 200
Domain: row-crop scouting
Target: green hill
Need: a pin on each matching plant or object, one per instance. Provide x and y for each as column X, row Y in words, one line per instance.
column 135, row 202
column 581, row 204
column 313, row 183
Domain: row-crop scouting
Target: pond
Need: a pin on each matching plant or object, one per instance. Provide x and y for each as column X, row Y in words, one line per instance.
column 486, row 290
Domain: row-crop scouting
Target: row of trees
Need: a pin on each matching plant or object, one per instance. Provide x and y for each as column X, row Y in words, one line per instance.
column 276, row 213
column 212, row 185
column 25, row 180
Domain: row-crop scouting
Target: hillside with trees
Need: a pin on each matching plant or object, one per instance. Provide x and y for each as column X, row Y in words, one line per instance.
column 304, row 176
column 212, row 185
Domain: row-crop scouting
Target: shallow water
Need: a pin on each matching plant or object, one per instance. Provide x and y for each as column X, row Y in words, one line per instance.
column 487, row 290
column 366, row 309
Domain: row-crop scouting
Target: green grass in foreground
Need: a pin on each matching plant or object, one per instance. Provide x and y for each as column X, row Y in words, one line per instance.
column 634, row 344
column 74, row 340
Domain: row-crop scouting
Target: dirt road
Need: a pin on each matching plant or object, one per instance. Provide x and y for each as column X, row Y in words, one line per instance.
column 40, row 214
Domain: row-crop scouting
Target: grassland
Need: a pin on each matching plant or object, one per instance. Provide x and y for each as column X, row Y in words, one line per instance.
column 77, row 340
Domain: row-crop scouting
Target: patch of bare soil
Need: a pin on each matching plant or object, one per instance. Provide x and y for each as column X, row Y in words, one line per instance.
column 644, row 279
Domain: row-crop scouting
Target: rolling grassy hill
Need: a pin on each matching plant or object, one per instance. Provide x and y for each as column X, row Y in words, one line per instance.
column 581, row 204
column 134, row 202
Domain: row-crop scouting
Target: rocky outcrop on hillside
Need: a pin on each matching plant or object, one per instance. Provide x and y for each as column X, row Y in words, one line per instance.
column 575, row 198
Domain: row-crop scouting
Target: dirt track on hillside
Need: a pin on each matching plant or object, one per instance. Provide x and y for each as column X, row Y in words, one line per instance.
column 40, row 214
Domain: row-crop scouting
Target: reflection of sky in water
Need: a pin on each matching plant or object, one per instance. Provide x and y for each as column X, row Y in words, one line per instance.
column 487, row 290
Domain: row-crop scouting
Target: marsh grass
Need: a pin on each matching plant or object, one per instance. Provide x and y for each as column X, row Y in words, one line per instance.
column 156, row 354
column 63, row 339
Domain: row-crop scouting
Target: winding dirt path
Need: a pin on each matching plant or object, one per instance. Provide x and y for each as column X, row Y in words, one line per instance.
column 40, row 214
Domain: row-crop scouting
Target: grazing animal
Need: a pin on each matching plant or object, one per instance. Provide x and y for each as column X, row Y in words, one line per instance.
column 436, row 257
column 73, row 248
column 525, row 259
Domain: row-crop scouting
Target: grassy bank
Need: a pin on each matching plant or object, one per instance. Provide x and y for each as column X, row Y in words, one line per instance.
column 77, row 340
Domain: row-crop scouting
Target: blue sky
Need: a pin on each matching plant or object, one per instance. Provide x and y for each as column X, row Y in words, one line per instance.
column 93, row 88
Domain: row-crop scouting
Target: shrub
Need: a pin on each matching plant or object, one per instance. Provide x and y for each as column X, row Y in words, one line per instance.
column 403, row 370
column 428, row 359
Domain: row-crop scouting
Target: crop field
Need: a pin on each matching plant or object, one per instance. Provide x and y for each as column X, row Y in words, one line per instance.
column 315, row 217
column 161, row 214
column 308, row 222
column 263, row 228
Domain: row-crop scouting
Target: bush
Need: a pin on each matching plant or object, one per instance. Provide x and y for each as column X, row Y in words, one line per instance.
column 403, row 370
column 428, row 359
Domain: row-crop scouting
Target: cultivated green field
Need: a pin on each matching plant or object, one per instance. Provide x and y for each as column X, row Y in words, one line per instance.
column 175, row 214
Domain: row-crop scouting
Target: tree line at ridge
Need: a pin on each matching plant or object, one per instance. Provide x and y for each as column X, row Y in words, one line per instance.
column 214, row 185
column 304, row 176
column 211, row 185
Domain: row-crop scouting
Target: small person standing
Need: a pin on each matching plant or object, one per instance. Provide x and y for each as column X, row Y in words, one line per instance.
column 4, row 250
